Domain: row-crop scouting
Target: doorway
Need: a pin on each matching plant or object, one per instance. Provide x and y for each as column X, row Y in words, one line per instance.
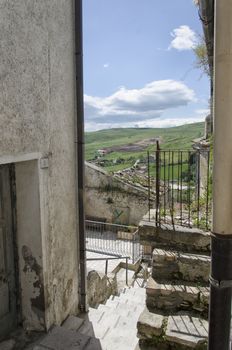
column 8, row 290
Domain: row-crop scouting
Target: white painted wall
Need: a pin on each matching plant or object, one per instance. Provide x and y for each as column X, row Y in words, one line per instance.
column 37, row 110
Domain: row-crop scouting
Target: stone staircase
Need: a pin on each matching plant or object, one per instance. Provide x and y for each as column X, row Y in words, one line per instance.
column 111, row 326
column 177, row 295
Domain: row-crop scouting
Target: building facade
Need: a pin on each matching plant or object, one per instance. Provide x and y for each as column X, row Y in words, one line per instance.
column 38, row 226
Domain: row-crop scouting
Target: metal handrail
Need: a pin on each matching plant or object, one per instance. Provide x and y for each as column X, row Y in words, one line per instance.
column 111, row 225
column 115, row 258
column 103, row 237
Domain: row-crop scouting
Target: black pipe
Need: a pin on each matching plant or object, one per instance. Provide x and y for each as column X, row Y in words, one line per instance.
column 80, row 150
column 220, row 292
column 157, row 190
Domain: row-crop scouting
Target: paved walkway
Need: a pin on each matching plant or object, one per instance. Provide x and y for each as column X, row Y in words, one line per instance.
column 110, row 327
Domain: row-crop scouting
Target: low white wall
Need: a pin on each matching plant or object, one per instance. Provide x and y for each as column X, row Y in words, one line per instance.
column 109, row 198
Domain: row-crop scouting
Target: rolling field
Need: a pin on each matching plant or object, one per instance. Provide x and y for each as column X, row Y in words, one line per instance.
column 125, row 146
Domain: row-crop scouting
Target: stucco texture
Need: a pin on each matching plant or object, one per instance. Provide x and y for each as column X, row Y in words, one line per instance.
column 37, row 113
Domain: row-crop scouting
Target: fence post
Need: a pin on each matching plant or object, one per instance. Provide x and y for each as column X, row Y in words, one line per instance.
column 149, row 185
column 127, row 271
column 133, row 248
column 157, row 182
column 106, row 268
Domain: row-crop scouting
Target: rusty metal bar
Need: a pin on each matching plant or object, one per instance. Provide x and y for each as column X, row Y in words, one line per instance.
column 157, row 183
column 189, row 188
column 207, row 192
column 127, row 271
column 198, row 188
column 149, row 186
column 181, row 183
column 164, row 165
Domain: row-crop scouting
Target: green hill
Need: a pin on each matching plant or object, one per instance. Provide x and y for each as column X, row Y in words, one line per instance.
column 137, row 142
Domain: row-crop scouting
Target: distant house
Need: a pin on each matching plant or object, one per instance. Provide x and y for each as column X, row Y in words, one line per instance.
column 102, row 152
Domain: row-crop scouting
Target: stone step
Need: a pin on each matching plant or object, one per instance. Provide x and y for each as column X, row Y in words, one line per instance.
column 140, row 292
column 180, row 331
column 60, row 338
column 182, row 238
column 121, row 311
column 131, row 302
column 84, row 326
column 73, row 323
column 122, row 335
column 173, row 297
column 171, row 265
column 105, row 323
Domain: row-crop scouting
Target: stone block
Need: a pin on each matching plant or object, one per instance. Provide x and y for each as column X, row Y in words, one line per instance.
column 60, row 338
column 187, row 331
column 100, row 287
column 150, row 325
column 183, row 238
column 166, row 296
column 169, row 265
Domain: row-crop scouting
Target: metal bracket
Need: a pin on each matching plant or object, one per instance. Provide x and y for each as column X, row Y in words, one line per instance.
column 44, row 163
column 220, row 284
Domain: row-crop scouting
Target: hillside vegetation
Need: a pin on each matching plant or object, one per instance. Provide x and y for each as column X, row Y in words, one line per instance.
column 137, row 141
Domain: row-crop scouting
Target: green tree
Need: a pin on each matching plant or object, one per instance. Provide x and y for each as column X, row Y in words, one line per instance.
column 200, row 51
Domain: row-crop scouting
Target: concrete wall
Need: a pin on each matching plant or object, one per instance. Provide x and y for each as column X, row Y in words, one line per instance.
column 37, row 109
column 110, row 198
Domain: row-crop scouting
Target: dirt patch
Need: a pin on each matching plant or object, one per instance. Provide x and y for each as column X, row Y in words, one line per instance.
column 134, row 147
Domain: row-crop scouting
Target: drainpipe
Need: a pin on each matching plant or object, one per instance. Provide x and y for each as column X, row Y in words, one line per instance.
column 80, row 151
column 221, row 265
column 206, row 14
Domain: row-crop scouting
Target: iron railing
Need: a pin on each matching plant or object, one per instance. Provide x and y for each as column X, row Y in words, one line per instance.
column 181, row 181
column 113, row 258
column 113, row 239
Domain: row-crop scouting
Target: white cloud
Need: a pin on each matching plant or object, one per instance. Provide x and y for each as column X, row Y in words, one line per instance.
column 137, row 105
column 184, row 38
column 106, row 65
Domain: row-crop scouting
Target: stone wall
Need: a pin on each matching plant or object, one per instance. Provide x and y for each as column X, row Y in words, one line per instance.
column 100, row 287
column 109, row 198
column 37, row 120
column 182, row 238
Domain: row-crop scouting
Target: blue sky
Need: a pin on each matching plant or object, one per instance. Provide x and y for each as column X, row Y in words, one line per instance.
column 139, row 64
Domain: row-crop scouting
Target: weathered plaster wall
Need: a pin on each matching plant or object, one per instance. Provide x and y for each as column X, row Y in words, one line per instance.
column 108, row 197
column 29, row 244
column 37, row 108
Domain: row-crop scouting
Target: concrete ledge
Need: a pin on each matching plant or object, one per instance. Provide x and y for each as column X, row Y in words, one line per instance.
column 182, row 238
